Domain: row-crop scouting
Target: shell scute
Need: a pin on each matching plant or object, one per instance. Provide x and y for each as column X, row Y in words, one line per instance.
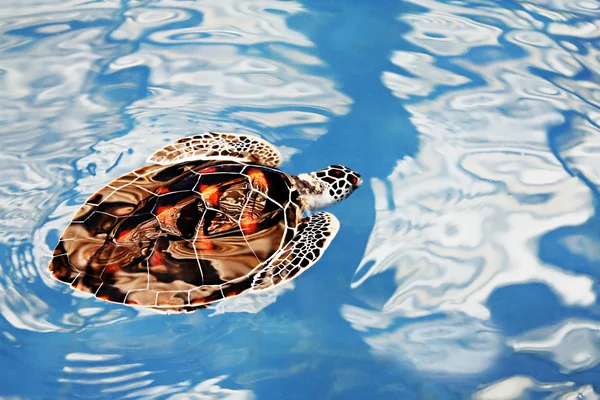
column 60, row 266
column 172, row 298
column 179, row 213
column 203, row 294
column 136, row 229
column 111, row 293
column 232, row 167
column 176, row 236
column 173, row 261
column 111, row 258
column 164, row 175
column 142, row 297
column 84, row 212
column 122, row 181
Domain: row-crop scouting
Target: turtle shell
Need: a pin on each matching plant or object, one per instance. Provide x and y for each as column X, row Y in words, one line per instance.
column 177, row 237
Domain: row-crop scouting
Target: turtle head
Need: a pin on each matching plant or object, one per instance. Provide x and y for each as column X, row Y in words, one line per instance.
column 327, row 186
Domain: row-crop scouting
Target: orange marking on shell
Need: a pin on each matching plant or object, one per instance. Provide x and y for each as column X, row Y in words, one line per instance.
column 163, row 190
column 156, row 258
column 123, row 235
column 258, row 179
column 104, row 297
column 208, row 170
column 210, row 194
column 231, row 294
column 198, row 301
column 162, row 210
column 203, row 244
column 112, row 268
column 134, row 302
column 248, row 225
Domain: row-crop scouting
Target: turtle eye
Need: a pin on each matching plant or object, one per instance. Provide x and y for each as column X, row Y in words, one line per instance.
column 353, row 180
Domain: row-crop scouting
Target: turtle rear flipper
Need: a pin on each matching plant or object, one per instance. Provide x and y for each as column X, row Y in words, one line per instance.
column 313, row 236
column 213, row 146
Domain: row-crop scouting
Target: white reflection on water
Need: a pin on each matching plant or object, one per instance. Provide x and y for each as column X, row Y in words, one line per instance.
column 573, row 344
column 585, row 392
column 579, row 150
column 421, row 66
column 210, row 389
column 562, row 10
column 520, row 386
column 251, row 302
column 465, row 216
column 446, row 346
column 90, row 89
column 102, row 373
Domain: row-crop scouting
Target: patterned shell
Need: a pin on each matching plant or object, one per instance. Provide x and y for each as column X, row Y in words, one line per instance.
column 177, row 236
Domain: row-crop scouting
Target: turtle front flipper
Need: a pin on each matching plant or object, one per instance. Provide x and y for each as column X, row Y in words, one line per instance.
column 313, row 236
column 213, row 146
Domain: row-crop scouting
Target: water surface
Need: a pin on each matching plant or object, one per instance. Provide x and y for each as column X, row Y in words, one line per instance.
column 467, row 265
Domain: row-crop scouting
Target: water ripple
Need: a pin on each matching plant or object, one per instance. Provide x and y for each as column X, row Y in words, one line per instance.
column 101, row 373
column 239, row 22
column 573, row 344
column 465, row 216
column 562, row 9
column 520, row 386
column 505, row 100
column 419, row 65
column 91, row 89
column 432, row 347
column 447, row 34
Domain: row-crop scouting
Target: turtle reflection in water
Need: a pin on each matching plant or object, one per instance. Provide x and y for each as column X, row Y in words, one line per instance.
column 211, row 217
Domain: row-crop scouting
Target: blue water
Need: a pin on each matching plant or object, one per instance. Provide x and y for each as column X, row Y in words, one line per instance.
column 467, row 266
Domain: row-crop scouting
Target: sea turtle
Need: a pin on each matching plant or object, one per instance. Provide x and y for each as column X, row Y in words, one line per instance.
column 209, row 218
